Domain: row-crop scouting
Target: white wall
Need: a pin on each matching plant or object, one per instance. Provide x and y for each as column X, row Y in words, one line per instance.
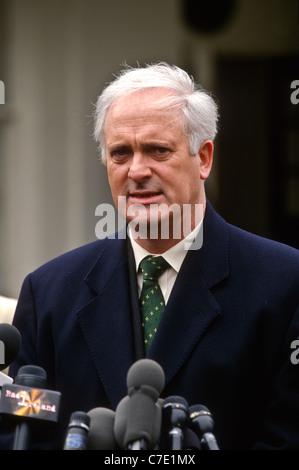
column 59, row 56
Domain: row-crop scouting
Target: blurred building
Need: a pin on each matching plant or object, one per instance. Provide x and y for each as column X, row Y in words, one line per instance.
column 56, row 56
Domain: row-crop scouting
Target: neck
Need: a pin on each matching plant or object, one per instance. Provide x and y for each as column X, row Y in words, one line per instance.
column 156, row 246
column 160, row 242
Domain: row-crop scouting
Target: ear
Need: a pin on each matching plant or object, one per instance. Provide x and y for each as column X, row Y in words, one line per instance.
column 205, row 154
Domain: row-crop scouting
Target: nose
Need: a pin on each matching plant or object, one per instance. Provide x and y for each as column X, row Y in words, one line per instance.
column 139, row 168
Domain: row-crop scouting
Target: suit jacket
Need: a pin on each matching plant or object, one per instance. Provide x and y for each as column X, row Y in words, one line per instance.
column 224, row 340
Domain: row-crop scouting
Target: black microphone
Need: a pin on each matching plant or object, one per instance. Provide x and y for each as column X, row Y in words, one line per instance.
column 77, row 431
column 175, row 418
column 203, row 424
column 145, row 381
column 101, row 431
column 10, row 344
column 26, row 403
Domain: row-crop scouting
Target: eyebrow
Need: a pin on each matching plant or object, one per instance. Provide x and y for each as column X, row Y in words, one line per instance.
column 114, row 147
column 151, row 143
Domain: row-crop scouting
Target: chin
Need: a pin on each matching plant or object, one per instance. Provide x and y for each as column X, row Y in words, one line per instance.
column 156, row 224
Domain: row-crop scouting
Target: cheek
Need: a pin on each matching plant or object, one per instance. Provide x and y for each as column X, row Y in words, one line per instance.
column 116, row 179
column 110, row 180
column 185, row 180
column 190, row 189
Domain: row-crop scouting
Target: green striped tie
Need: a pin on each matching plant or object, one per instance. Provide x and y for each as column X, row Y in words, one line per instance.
column 151, row 300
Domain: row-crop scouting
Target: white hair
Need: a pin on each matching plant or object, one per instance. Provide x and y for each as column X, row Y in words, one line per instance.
column 199, row 110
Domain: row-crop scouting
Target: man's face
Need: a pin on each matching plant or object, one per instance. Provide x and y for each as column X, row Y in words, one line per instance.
column 148, row 157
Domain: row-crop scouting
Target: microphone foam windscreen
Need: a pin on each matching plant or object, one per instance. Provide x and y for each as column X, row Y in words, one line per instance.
column 144, row 421
column 146, row 372
column 121, row 418
column 101, row 430
column 32, row 376
column 191, row 441
column 10, row 338
column 175, row 400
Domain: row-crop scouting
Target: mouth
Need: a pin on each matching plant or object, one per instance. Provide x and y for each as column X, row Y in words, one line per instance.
column 145, row 197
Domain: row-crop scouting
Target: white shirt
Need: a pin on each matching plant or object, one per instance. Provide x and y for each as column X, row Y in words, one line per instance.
column 174, row 256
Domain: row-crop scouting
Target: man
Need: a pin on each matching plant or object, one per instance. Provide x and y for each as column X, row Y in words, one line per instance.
column 231, row 316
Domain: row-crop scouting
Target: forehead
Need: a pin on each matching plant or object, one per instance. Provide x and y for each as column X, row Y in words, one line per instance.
column 142, row 110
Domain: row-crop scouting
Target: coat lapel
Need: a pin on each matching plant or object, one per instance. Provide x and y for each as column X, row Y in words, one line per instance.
column 192, row 308
column 106, row 319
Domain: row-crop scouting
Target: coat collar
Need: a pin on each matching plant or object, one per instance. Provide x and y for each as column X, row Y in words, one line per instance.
column 106, row 319
column 190, row 311
column 192, row 307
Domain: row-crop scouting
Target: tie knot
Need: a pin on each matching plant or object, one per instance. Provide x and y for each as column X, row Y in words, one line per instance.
column 153, row 267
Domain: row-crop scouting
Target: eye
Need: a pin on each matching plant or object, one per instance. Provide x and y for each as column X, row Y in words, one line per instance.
column 119, row 154
column 160, row 152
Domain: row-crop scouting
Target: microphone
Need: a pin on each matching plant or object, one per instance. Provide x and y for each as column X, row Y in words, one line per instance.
column 145, row 381
column 26, row 402
column 203, row 424
column 120, row 422
column 101, row 431
column 77, row 431
column 10, row 344
column 4, row 379
column 175, row 418
column 191, row 441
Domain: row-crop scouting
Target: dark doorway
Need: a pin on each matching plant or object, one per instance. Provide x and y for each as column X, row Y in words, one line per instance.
column 258, row 146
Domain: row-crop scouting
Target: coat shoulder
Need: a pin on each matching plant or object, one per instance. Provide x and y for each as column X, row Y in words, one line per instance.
column 257, row 254
column 72, row 267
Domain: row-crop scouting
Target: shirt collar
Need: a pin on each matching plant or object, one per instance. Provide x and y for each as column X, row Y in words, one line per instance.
column 174, row 256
